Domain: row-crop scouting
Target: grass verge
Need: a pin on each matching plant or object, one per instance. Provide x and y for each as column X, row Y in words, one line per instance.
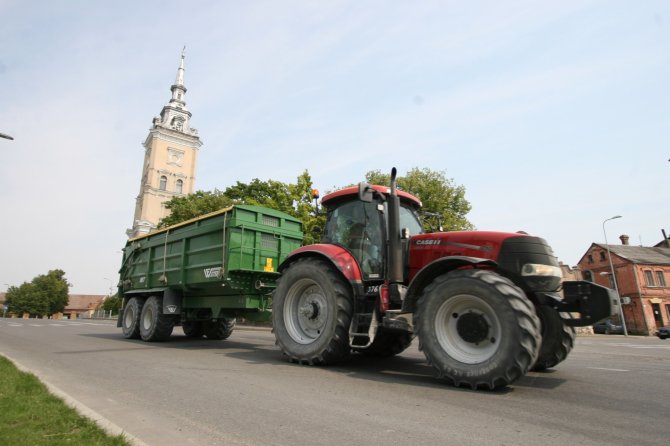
column 30, row 415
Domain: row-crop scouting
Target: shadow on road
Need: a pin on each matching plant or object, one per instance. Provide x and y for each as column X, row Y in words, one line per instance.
column 394, row 370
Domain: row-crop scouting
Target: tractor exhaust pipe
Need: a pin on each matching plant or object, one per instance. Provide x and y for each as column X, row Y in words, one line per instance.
column 395, row 269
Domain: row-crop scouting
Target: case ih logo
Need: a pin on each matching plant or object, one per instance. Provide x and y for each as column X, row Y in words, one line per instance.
column 213, row 273
column 429, row 242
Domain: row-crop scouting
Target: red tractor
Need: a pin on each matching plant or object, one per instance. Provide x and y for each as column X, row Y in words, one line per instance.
column 486, row 306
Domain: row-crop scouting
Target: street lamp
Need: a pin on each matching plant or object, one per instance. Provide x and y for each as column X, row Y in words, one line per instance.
column 616, row 287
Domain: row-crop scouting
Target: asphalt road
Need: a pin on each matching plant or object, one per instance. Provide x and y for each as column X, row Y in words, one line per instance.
column 612, row 390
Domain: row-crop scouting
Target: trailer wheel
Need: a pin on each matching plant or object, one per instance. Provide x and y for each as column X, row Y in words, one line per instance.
column 154, row 325
column 312, row 313
column 477, row 329
column 130, row 323
column 220, row 329
column 387, row 343
column 557, row 338
column 193, row 329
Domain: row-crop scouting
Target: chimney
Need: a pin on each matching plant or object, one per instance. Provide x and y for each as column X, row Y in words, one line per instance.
column 624, row 239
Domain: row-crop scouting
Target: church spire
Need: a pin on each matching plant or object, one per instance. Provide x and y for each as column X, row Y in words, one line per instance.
column 180, row 70
column 175, row 115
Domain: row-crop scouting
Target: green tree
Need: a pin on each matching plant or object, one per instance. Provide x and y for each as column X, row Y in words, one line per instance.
column 437, row 193
column 293, row 198
column 26, row 298
column 46, row 294
column 55, row 289
column 194, row 205
column 112, row 303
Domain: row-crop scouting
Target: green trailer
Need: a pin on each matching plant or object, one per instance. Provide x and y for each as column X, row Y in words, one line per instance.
column 204, row 273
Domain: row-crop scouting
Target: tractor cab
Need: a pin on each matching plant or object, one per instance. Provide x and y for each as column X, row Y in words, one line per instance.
column 360, row 225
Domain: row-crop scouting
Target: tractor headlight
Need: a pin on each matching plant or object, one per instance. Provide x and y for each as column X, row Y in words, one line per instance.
column 541, row 277
column 538, row 269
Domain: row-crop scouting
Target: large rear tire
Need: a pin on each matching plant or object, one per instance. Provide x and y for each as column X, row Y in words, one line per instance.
column 311, row 313
column 477, row 329
column 557, row 338
column 130, row 323
column 154, row 325
column 387, row 343
column 220, row 329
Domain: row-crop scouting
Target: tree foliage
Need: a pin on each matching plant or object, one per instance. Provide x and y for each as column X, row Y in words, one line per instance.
column 194, row 205
column 293, row 198
column 112, row 303
column 437, row 193
column 46, row 294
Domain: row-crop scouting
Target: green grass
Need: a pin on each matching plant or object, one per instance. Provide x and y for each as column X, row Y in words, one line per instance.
column 30, row 415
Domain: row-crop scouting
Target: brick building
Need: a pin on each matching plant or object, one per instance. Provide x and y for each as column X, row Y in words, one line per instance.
column 642, row 274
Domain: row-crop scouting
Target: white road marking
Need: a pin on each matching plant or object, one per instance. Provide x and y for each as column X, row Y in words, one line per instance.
column 608, row 370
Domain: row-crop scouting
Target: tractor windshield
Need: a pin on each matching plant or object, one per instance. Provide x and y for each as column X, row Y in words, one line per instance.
column 356, row 226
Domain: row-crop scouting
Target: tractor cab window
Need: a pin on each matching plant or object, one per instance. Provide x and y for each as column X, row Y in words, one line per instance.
column 356, row 226
column 410, row 219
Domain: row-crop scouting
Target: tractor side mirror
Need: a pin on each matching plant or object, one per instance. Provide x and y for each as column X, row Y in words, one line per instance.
column 365, row 192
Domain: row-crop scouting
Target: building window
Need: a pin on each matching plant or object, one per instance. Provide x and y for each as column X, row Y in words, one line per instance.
column 602, row 256
column 660, row 278
column 163, row 183
column 649, row 278
column 590, row 258
column 179, row 187
column 588, row 276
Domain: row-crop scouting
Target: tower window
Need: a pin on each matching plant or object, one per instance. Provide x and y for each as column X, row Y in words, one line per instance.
column 163, row 183
column 179, row 187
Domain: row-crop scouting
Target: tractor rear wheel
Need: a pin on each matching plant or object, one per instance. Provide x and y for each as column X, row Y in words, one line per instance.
column 154, row 325
column 193, row 329
column 311, row 313
column 477, row 329
column 387, row 343
column 557, row 338
column 220, row 329
column 130, row 323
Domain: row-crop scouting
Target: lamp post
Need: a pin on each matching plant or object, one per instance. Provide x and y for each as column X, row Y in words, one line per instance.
column 616, row 287
column 111, row 286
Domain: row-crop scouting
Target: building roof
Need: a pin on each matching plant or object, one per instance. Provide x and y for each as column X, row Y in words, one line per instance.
column 84, row 302
column 640, row 254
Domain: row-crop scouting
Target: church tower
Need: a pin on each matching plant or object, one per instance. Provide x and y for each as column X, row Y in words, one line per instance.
column 170, row 156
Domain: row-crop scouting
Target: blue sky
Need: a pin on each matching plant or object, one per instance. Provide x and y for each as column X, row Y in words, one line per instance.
column 553, row 115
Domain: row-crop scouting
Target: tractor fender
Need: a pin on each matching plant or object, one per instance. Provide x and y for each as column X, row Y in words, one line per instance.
column 338, row 256
column 436, row 268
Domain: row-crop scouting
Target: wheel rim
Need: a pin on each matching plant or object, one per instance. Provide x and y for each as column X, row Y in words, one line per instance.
column 468, row 329
column 305, row 311
column 129, row 317
column 147, row 318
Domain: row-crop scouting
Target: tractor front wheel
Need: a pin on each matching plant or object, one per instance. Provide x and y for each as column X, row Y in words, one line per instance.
column 220, row 329
column 557, row 338
column 311, row 313
column 193, row 329
column 387, row 343
column 477, row 329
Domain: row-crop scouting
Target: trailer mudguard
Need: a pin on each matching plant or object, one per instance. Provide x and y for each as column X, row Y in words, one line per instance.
column 172, row 301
